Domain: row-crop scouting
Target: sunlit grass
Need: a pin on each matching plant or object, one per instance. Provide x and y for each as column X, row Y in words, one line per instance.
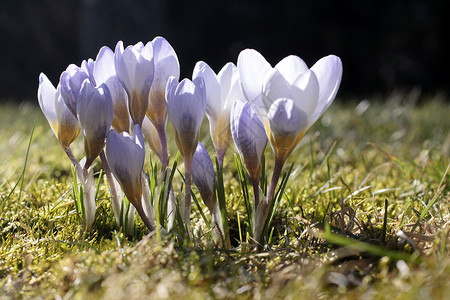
column 365, row 213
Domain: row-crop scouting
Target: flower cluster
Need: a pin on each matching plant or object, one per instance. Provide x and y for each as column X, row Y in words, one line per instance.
column 127, row 94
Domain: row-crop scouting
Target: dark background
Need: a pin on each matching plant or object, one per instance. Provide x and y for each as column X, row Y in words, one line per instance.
column 384, row 45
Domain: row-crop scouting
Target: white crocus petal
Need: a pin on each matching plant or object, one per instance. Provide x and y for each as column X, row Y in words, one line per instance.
column 230, row 86
column 221, row 90
column 186, row 107
column 290, row 106
column 145, row 68
column 68, row 125
column 70, row 81
column 291, row 67
column 95, row 113
column 204, row 176
column 253, row 68
column 47, row 99
column 104, row 72
column 213, row 89
column 329, row 73
column 275, row 86
column 249, row 136
column 125, row 155
column 226, row 77
column 88, row 68
column 135, row 70
column 139, row 46
column 189, row 105
column 166, row 65
column 305, row 92
column 152, row 137
column 287, row 125
column 286, row 119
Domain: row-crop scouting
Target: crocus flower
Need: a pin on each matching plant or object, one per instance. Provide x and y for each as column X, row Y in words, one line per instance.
column 250, row 139
column 289, row 97
column 166, row 65
column 64, row 125
column 186, row 107
column 104, row 71
column 135, row 70
column 221, row 91
column 203, row 175
column 70, row 81
column 126, row 154
column 95, row 113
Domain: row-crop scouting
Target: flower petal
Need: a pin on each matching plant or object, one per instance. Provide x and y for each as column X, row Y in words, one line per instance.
column 275, row 86
column 249, row 136
column 291, row 67
column 70, row 81
column 47, row 99
column 286, row 118
column 126, row 155
column 305, row 92
column 329, row 73
column 203, row 175
column 95, row 113
column 186, row 107
column 166, row 65
column 253, row 69
column 152, row 136
column 105, row 72
column 213, row 94
column 68, row 125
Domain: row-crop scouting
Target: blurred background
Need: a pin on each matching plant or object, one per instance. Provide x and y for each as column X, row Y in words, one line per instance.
column 385, row 45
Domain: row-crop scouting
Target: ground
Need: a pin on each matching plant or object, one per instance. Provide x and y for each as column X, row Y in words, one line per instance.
column 365, row 214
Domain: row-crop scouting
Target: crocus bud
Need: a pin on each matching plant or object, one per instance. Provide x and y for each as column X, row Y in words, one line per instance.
column 135, row 70
column 95, row 113
column 221, row 91
column 62, row 122
column 125, row 154
column 104, row 71
column 203, row 175
column 166, row 65
column 68, row 125
column 249, row 137
column 70, row 81
column 186, row 106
